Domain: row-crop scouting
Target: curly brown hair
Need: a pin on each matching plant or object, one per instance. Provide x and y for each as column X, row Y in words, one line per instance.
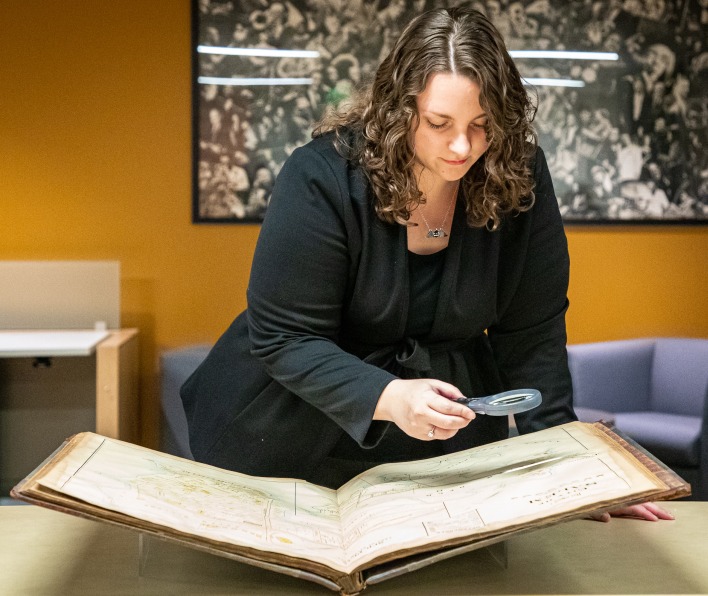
column 459, row 41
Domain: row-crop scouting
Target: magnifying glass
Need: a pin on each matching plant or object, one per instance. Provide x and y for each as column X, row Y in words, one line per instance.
column 502, row 404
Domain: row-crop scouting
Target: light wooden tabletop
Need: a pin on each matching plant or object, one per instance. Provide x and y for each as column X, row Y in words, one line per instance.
column 48, row 553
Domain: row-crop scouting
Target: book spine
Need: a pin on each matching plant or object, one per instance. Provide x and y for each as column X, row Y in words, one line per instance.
column 676, row 486
column 352, row 584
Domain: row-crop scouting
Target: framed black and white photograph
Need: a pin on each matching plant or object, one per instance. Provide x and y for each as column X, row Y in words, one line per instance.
column 621, row 88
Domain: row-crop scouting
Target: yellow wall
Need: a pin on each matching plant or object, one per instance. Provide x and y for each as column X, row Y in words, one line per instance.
column 95, row 162
column 637, row 282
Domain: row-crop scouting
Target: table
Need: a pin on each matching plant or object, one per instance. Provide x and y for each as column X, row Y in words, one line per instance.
column 116, row 369
column 43, row 552
column 46, row 344
column 92, row 385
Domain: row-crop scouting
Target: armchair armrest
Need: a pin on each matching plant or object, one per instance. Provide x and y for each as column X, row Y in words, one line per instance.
column 175, row 367
column 701, row 491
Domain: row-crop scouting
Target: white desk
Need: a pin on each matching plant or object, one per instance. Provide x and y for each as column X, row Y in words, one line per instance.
column 92, row 372
column 46, row 344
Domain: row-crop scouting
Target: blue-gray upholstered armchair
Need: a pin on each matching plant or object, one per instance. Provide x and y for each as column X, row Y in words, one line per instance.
column 653, row 390
column 175, row 367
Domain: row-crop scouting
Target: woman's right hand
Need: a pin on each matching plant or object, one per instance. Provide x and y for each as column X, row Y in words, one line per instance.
column 418, row 406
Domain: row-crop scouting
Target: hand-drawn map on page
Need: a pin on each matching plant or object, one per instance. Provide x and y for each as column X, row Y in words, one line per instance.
column 278, row 515
column 384, row 510
column 500, row 485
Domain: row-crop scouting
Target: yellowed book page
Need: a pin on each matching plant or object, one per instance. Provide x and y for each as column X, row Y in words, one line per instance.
column 498, row 486
column 284, row 516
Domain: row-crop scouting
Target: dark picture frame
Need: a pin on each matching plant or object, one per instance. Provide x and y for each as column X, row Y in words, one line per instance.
column 624, row 126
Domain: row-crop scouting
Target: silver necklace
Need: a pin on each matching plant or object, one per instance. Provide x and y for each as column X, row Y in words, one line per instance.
column 439, row 232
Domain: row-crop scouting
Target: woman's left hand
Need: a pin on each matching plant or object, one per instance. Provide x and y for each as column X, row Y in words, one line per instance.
column 646, row 511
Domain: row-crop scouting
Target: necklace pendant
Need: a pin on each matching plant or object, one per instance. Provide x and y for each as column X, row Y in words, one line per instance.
column 436, row 233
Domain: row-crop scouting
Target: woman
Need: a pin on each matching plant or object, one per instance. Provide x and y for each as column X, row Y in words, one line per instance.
column 412, row 253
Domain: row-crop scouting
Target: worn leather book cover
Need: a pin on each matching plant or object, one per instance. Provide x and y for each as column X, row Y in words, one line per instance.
column 390, row 520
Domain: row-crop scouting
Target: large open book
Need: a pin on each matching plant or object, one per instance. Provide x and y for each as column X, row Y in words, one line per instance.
column 389, row 520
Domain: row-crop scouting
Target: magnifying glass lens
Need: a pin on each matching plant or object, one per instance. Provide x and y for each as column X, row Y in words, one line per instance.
column 502, row 404
column 511, row 399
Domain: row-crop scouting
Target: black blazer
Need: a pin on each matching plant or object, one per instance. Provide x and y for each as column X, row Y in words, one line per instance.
column 323, row 333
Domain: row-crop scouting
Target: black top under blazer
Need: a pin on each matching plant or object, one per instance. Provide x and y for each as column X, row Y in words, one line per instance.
column 324, row 331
